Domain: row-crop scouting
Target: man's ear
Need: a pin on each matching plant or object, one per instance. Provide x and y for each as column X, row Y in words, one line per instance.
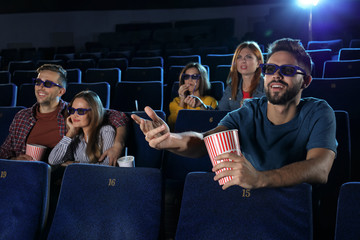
column 307, row 81
column 62, row 91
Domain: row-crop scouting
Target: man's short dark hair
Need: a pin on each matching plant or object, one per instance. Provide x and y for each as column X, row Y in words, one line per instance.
column 294, row 47
column 55, row 68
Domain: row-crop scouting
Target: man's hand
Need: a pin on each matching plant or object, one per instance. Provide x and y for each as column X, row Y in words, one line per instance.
column 243, row 173
column 112, row 153
column 156, row 131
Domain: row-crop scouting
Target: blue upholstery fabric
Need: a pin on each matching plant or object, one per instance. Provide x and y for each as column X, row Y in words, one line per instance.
column 24, row 191
column 145, row 156
column 6, row 116
column 8, row 94
column 101, row 88
column 26, row 96
column 208, row 212
column 144, row 74
column 103, row 202
column 348, row 212
column 344, row 68
column 143, row 92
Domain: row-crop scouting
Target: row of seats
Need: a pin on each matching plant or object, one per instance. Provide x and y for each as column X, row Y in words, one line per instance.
column 175, row 168
column 124, row 96
column 345, row 65
column 128, row 205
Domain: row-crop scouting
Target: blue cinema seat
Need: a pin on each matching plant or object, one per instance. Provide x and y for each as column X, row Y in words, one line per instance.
column 24, row 201
column 208, row 212
column 104, row 202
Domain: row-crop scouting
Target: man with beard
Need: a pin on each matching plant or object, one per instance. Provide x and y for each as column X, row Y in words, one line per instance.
column 44, row 123
column 285, row 140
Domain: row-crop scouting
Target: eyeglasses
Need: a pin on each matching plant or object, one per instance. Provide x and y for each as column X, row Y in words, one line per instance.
column 80, row 111
column 286, row 70
column 46, row 83
column 194, row 76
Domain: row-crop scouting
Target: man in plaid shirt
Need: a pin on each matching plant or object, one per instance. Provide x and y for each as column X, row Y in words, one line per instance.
column 45, row 122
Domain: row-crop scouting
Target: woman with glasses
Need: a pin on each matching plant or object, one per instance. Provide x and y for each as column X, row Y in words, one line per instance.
column 87, row 137
column 193, row 87
column 245, row 79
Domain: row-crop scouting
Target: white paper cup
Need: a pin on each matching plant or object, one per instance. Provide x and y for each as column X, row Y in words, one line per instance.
column 35, row 151
column 222, row 142
column 126, row 161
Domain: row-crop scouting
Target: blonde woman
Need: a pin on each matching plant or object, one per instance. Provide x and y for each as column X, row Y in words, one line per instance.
column 193, row 87
column 87, row 137
column 245, row 79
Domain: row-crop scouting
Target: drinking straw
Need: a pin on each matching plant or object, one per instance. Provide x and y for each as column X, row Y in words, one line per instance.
column 195, row 86
column 125, row 151
column 136, row 105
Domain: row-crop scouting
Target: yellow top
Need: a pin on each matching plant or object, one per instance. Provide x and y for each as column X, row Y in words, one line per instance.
column 175, row 108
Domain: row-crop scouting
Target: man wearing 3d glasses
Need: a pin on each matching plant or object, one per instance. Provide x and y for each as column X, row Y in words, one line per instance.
column 285, row 140
column 45, row 122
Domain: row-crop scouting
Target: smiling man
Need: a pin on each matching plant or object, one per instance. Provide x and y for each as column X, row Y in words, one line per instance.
column 285, row 140
column 44, row 123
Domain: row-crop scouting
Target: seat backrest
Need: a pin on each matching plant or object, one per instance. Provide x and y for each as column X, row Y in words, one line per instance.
column 208, row 212
column 121, row 63
column 110, row 75
column 214, row 60
column 349, row 54
column 222, row 73
column 5, row 77
column 348, row 212
column 6, row 116
column 344, row 68
column 135, row 96
column 23, row 76
column 144, row 74
column 20, row 65
column 319, row 56
column 101, row 88
column 73, row 75
column 334, row 45
column 147, row 62
column 82, row 64
column 103, row 202
column 145, row 156
column 354, row 43
column 181, row 60
column 53, row 61
column 8, row 95
column 26, row 96
column 24, row 191
column 338, row 92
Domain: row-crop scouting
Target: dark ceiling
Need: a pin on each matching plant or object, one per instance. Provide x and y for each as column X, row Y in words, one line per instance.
column 18, row 6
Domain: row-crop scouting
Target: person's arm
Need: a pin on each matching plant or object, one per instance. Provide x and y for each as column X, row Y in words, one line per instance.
column 118, row 120
column 315, row 169
column 157, row 133
column 58, row 152
column 62, row 152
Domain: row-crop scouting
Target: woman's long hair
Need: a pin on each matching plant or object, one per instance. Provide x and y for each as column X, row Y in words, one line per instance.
column 94, row 145
column 204, row 84
column 234, row 75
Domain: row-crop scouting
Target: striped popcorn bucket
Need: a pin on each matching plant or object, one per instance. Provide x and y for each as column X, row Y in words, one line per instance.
column 222, row 142
column 35, row 151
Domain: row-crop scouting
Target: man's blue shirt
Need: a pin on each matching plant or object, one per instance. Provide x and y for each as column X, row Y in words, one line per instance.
column 268, row 146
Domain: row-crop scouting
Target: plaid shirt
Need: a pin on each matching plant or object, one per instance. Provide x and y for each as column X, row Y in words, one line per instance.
column 24, row 121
